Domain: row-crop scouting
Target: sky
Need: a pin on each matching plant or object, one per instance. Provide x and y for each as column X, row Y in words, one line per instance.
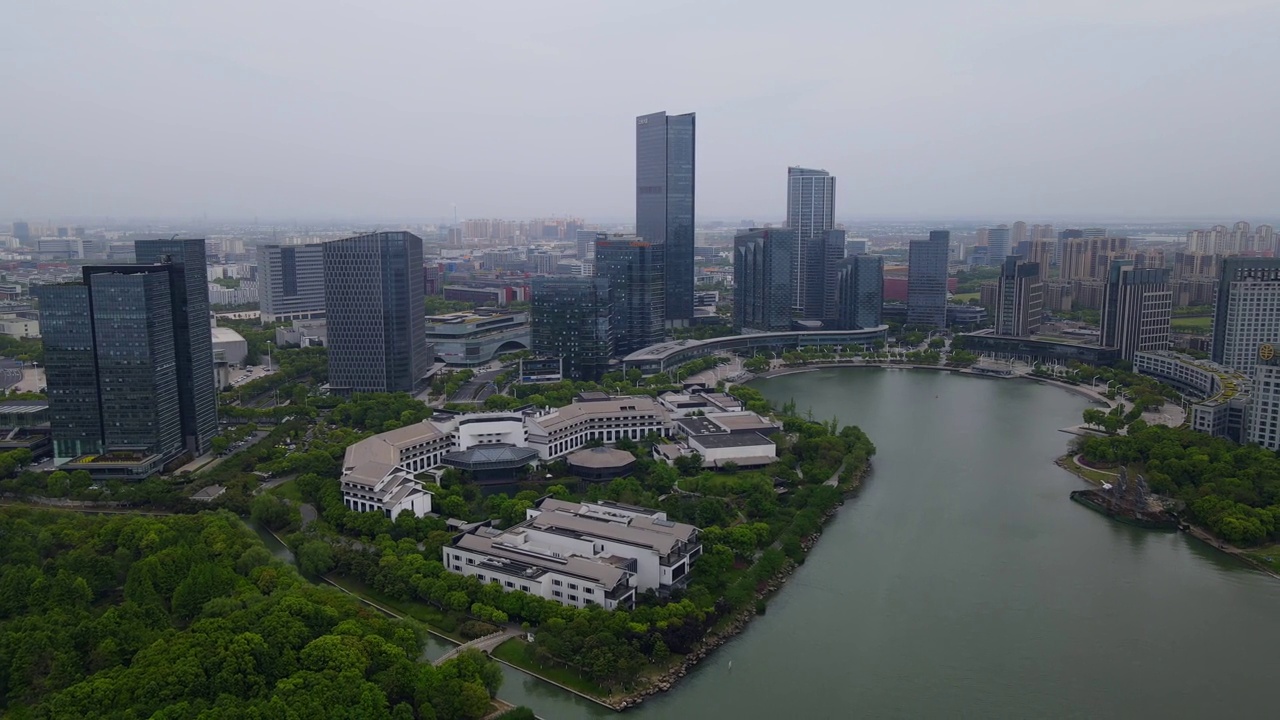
column 315, row 109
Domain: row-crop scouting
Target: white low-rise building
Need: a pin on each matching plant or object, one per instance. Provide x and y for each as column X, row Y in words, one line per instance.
column 740, row 438
column 375, row 486
column 581, row 553
column 595, row 416
column 378, row 472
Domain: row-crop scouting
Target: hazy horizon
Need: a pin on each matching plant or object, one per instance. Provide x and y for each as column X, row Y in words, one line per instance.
column 1138, row 110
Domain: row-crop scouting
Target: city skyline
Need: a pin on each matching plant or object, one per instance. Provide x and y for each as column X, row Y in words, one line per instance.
column 919, row 139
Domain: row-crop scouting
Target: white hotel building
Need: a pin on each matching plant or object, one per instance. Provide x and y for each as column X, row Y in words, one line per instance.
column 581, row 553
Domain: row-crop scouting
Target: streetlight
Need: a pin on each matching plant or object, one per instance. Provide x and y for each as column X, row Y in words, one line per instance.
column 1094, row 382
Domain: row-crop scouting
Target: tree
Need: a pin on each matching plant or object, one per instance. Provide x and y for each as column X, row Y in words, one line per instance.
column 315, row 557
column 1094, row 417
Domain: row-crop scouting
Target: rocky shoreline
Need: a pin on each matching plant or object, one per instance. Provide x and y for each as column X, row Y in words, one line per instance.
column 738, row 623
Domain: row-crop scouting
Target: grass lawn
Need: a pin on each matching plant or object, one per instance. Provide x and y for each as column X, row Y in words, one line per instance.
column 287, row 490
column 1267, row 555
column 514, row 652
column 965, row 297
column 1200, row 324
column 1094, row 476
column 439, row 621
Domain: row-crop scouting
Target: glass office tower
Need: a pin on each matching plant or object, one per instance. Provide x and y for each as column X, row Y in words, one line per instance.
column 572, row 320
column 927, row 280
column 189, row 288
column 634, row 268
column 665, row 202
column 763, row 281
column 860, row 291
column 376, row 313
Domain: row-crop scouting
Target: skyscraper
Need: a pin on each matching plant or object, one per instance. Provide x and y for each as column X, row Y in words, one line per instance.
column 22, row 231
column 1040, row 252
column 811, row 196
column 572, row 320
column 633, row 266
column 1137, row 306
column 189, row 287
column 927, row 280
column 1246, row 313
column 291, row 282
column 112, row 367
column 1063, row 237
column 665, row 202
column 1019, row 298
column 763, row 281
column 1018, row 233
column 998, row 245
column 374, row 304
column 859, row 292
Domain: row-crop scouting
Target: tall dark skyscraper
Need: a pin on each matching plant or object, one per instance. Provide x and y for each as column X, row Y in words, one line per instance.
column 664, row 202
column 859, row 292
column 22, row 231
column 572, row 319
column 823, row 292
column 189, row 287
column 374, row 305
column 763, row 281
column 1136, row 309
column 811, row 196
column 1019, row 298
column 633, row 267
column 113, row 368
column 927, row 280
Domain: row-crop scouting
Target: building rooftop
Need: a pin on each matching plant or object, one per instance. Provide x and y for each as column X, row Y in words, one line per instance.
column 209, row 493
column 750, row 439
column 226, row 335
column 570, row 414
column 385, row 447
column 491, row 457
column 369, row 473
column 23, row 406
column 642, row 527
column 601, row 458
column 523, row 560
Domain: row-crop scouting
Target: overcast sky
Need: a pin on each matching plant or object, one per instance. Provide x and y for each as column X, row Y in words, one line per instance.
column 922, row 108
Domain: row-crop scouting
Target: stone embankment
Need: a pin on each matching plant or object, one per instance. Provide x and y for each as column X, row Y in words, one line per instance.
column 736, row 624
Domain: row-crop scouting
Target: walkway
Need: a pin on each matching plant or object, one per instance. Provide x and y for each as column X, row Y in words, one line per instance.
column 486, row 644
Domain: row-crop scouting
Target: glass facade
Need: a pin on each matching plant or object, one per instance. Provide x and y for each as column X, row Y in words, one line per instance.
column 572, row 320
column 634, row 269
column 111, row 362
column 927, row 280
column 665, row 147
column 189, row 290
column 376, row 313
column 811, row 214
column 763, row 290
column 860, row 292
column 71, row 373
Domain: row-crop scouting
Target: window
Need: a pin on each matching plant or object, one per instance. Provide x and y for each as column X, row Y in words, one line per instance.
column 557, row 583
column 588, row 591
column 471, row 561
column 573, row 586
column 524, row 588
column 480, row 577
column 510, row 584
column 557, row 593
column 573, row 598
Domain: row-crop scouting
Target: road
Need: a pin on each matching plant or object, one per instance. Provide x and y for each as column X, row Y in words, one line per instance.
column 477, row 388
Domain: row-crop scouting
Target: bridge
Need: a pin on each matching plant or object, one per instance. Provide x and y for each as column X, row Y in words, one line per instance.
column 486, row 644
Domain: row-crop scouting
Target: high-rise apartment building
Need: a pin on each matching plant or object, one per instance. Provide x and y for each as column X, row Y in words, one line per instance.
column 1018, row 233
column 189, row 287
column 1063, row 237
column 376, row 314
column 1136, row 309
column 763, row 281
column 999, row 245
column 572, row 319
column 1089, row 258
column 1040, row 252
column 1019, row 298
column 860, row 292
column 1262, row 421
column 586, row 243
column 811, row 196
column 1094, row 232
column 291, row 282
column 927, row 280
column 22, row 232
column 634, row 268
column 665, row 202
column 1246, row 313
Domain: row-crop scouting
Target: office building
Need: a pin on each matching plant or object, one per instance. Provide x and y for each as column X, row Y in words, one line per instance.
column 291, row 282
column 1263, row 419
column 374, row 308
column 1246, row 313
column 633, row 267
column 665, row 203
column 856, row 246
column 1019, row 298
column 927, row 280
column 586, row 244
column 763, row 281
column 572, row 319
column 1136, row 309
column 822, row 300
column 474, row 338
column 22, row 231
column 1219, row 397
column 811, row 214
column 859, row 292
column 189, row 287
column 999, row 244
column 112, row 371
